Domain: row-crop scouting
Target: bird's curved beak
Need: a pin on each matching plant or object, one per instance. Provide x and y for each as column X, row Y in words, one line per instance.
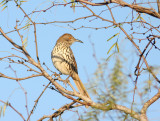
column 77, row 40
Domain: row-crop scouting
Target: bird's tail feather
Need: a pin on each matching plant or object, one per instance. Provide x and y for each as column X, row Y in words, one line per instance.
column 81, row 87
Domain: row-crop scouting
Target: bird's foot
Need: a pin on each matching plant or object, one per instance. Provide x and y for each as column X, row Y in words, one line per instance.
column 65, row 82
column 56, row 75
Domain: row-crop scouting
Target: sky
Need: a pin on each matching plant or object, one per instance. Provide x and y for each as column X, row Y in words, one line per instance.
column 87, row 64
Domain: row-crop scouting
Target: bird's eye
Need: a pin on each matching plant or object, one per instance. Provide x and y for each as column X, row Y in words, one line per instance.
column 70, row 37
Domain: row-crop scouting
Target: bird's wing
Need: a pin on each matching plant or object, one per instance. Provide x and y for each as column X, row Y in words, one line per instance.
column 73, row 62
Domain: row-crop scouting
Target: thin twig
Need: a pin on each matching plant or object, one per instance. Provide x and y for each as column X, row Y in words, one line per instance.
column 36, row 101
column 61, row 110
column 25, row 92
column 19, row 79
column 9, row 104
column 35, row 35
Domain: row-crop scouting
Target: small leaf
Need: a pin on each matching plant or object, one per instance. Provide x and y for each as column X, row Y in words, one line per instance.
column 137, row 18
column 2, row 2
column 65, row 1
column 24, row 43
column 0, row 110
column 27, row 25
column 113, row 36
column 23, row 1
column 109, row 56
column 142, row 19
column 117, row 46
column 4, row 8
column 73, row 5
column 4, row 109
column 111, row 48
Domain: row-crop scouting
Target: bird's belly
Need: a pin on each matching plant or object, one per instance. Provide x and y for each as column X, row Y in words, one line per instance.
column 61, row 66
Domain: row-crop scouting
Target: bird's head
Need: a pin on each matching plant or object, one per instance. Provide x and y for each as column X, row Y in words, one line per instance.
column 68, row 38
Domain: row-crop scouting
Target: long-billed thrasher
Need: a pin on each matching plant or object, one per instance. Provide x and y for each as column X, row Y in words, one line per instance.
column 64, row 61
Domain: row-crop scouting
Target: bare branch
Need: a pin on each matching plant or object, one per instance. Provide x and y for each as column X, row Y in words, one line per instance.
column 9, row 104
column 112, row 106
column 140, row 54
column 36, row 101
column 15, row 45
column 137, row 67
column 24, row 78
column 158, row 4
column 148, row 103
column 137, row 8
column 25, row 92
column 60, row 111
column 96, row 14
column 35, row 35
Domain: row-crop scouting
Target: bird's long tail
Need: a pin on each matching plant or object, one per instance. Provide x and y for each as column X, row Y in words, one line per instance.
column 80, row 86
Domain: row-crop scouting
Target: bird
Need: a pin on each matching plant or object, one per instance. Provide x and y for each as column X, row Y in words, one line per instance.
column 64, row 61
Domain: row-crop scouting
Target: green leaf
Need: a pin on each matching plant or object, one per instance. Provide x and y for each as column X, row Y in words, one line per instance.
column 137, row 18
column 65, row 1
column 73, row 5
column 109, row 56
column 142, row 19
column 117, row 46
column 113, row 36
column 4, row 8
column 24, row 43
column 23, row 1
column 27, row 25
column 0, row 110
column 111, row 48
column 2, row 2
column 4, row 109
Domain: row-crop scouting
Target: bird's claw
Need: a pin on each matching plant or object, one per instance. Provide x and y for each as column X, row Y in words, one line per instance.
column 65, row 82
column 57, row 75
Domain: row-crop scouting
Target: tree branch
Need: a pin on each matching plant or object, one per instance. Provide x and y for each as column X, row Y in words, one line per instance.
column 112, row 106
column 15, row 45
column 137, row 8
column 9, row 104
column 36, row 101
column 19, row 79
column 35, row 35
column 59, row 111
column 158, row 4
column 147, row 104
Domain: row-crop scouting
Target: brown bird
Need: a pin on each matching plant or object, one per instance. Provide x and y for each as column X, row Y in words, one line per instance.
column 64, row 61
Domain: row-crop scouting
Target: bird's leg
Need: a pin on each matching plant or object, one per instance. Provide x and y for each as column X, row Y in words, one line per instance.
column 66, row 80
